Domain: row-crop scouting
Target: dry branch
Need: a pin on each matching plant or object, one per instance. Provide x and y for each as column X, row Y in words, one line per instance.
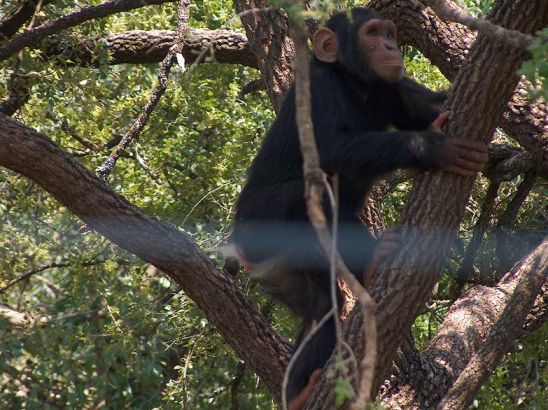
column 163, row 73
column 450, row 12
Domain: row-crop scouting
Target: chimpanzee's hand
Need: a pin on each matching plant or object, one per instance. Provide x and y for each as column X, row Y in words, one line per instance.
column 387, row 245
column 460, row 156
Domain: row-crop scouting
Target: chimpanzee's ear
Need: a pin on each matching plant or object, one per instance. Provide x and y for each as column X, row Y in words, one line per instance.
column 326, row 46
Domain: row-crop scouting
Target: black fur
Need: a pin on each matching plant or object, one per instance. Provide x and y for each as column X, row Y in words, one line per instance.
column 352, row 111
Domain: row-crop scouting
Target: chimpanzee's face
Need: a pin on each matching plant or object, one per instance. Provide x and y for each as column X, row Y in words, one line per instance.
column 378, row 46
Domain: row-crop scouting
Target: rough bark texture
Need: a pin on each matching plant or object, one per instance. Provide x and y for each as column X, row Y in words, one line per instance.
column 437, row 202
column 447, row 45
column 34, row 36
column 478, row 330
column 144, row 47
column 32, row 154
column 271, row 44
column 11, row 22
column 371, row 213
column 501, row 310
column 18, row 94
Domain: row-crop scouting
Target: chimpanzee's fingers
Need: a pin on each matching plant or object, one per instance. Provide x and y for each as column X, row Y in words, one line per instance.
column 460, row 171
column 438, row 122
column 467, row 164
column 474, row 156
column 470, row 144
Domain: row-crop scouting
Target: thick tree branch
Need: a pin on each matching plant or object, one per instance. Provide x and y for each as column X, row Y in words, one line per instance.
column 437, row 202
column 451, row 12
column 23, row 150
column 145, row 47
column 483, row 322
column 10, row 23
column 268, row 36
column 36, row 35
column 447, row 44
column 505, row 308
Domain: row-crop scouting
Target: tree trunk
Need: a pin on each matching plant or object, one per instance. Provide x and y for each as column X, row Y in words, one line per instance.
column 436, row 205
column 268, row 36
column 478, row 330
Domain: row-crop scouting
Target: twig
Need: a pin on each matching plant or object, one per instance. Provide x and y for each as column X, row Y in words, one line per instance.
column 67, row 128
column 508, row 217
column 314, row 185
column 482, row 224
column 43, row 268
column 105, row 9
column 133, row 133
column 449, row 12
column 235, row 386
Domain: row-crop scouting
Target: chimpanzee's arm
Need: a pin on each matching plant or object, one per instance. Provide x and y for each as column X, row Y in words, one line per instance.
column 368, row 154
column 417, row 106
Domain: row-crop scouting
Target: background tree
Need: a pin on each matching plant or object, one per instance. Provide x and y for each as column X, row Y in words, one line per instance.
column 103, row 305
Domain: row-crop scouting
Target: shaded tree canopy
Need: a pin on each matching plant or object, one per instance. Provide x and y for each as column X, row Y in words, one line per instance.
column 116, row 291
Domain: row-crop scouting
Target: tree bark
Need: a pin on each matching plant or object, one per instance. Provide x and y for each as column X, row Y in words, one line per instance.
column 478, row 330
column 268, row 35
column 32, row 154
column 145, row 47
column 437, row 202
column 503, row 310
column 448, row 44
column 35, row 35
column 11, row 22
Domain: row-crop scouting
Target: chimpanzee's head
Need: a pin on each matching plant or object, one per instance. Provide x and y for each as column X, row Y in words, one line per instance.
column 364, row 43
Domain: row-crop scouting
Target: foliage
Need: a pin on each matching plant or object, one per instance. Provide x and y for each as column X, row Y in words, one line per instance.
column 536, row 69
column 105, row 331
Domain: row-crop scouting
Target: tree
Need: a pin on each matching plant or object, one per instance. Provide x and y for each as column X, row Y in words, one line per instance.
column 68, row 74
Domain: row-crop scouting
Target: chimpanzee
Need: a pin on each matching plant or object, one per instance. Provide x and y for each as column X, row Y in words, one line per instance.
column 359, row 94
